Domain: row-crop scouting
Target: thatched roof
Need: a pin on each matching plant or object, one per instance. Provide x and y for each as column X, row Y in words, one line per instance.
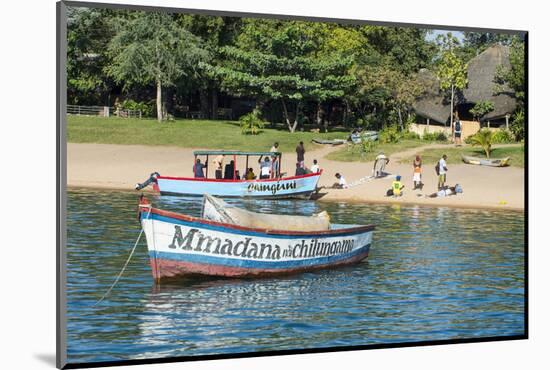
column 481, row 85
column 432, row 104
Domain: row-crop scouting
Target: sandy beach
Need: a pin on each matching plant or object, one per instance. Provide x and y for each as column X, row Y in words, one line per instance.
column 106, row 166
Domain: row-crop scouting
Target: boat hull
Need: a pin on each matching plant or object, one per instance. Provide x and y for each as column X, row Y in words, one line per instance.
column 501, row 162
column 290, row 187
column 181, row 245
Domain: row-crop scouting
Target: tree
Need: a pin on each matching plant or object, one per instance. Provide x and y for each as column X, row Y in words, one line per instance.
column 88, row 30
column 150, row 47
column 482, row 108
column 279, row 60
column 484, row 139
column 451, row 70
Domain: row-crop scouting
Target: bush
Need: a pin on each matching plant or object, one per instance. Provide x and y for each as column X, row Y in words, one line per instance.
column 251, row 123
column 503, row 136
column 146, row 109
column 518, row 124
column 409, row 135
column 434, row 136
column 390, row 134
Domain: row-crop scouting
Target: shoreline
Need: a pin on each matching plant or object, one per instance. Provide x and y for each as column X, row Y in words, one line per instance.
column 120, row 167
column 323, row 199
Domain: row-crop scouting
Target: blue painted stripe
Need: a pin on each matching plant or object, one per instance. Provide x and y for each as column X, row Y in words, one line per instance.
column 247, row 263
column 229, row 230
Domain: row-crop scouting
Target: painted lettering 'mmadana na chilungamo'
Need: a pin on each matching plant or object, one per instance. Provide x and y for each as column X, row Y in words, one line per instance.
column 195, row 240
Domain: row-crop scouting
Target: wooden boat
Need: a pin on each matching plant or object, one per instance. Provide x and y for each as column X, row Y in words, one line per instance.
column 358, row 137
column 329, row 142
column 182, row 245
column 496, row 162
column 231, row 186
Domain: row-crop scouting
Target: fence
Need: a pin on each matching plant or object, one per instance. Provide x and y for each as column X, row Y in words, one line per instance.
column 96, row 110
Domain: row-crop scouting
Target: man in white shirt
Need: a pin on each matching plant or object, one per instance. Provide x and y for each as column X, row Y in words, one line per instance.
column 442, row 172
column 265, row 168
column 315, row 168
column 380, row 165
column 342, row 183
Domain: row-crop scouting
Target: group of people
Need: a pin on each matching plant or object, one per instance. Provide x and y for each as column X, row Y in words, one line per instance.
column 441, row 171
column 269, row 166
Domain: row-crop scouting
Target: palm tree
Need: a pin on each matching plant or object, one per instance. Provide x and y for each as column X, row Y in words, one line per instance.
column 483, row 138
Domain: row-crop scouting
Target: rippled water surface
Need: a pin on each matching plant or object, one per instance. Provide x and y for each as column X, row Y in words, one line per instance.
column 433, row 273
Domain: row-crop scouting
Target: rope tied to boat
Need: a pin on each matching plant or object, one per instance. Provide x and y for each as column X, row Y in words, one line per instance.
column 129, row 257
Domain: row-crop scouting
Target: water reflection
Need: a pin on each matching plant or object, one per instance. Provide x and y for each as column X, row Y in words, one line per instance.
column 433, row 273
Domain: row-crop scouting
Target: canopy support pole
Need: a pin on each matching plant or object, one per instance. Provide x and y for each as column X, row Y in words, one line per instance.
column 207, row 166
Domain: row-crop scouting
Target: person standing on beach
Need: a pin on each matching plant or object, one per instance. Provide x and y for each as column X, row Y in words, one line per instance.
column 457, row 130
column 300, row 154
column 442, row 172
column 380, row 165
column 417, row 173
column 275, row 159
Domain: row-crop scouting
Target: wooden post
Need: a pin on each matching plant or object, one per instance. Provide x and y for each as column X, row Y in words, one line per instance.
column 207, row 165
column 195, row 167
column 105, row 111
column 507, row 121
column 427, row 121
column 246, row 169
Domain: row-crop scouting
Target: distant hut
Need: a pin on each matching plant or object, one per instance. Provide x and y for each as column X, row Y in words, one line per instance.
column 481, row 85
column 434, row 107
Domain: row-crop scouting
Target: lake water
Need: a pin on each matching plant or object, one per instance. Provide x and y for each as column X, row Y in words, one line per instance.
column 432, row 273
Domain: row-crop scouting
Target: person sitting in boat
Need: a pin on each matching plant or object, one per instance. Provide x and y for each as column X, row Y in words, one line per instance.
column 300, row 170
column 341, row 184
column 315, row 168
column 218, row 163
column 396, row 188
column 265, row 168
column 198, row 169
column 380, row 165
column 237, row 175
column 250, row 175
column 229, row 170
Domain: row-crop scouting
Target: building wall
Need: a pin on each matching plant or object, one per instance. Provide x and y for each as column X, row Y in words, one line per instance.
column 468, row 128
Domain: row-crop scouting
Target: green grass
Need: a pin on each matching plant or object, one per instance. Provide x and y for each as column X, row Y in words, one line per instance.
column 515, row 153
column 352, row 154
column 185, row 133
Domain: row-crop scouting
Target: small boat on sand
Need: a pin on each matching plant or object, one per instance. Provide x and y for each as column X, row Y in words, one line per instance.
column 496, row 162
column 329, row 142
column 231, row 242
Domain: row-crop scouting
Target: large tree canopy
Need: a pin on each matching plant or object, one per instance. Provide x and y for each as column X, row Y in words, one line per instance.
column 151, row 48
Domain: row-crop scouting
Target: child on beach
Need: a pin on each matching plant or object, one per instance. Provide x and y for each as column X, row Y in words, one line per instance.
column 341, row 184
column 396, row 187
column 417, row 174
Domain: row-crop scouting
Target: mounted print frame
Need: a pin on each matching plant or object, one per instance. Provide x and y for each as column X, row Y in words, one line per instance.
column 239, row 185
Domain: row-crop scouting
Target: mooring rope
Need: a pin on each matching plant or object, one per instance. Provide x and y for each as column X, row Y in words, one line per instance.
column 126, row 264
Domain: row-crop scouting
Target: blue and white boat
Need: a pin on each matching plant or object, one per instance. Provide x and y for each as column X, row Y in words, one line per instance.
column 275, row 186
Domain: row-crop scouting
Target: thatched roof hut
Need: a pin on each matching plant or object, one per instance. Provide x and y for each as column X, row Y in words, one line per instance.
column 432, row 104
column 481, row 87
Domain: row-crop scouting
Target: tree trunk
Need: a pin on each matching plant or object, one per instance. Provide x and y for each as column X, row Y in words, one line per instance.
column 296, row 117
column 285, row 114
column 203, row 95
column 215, row 103
column 319, row 115
column 452, row 104
column 159, row 101
column 400, row 119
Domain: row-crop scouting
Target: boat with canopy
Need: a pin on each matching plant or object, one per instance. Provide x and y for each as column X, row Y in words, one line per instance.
column 231, row 182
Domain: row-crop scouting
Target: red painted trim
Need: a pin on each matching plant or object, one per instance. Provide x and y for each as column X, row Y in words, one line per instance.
column 173, row 269
column 187, row 218
column 222, row 180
